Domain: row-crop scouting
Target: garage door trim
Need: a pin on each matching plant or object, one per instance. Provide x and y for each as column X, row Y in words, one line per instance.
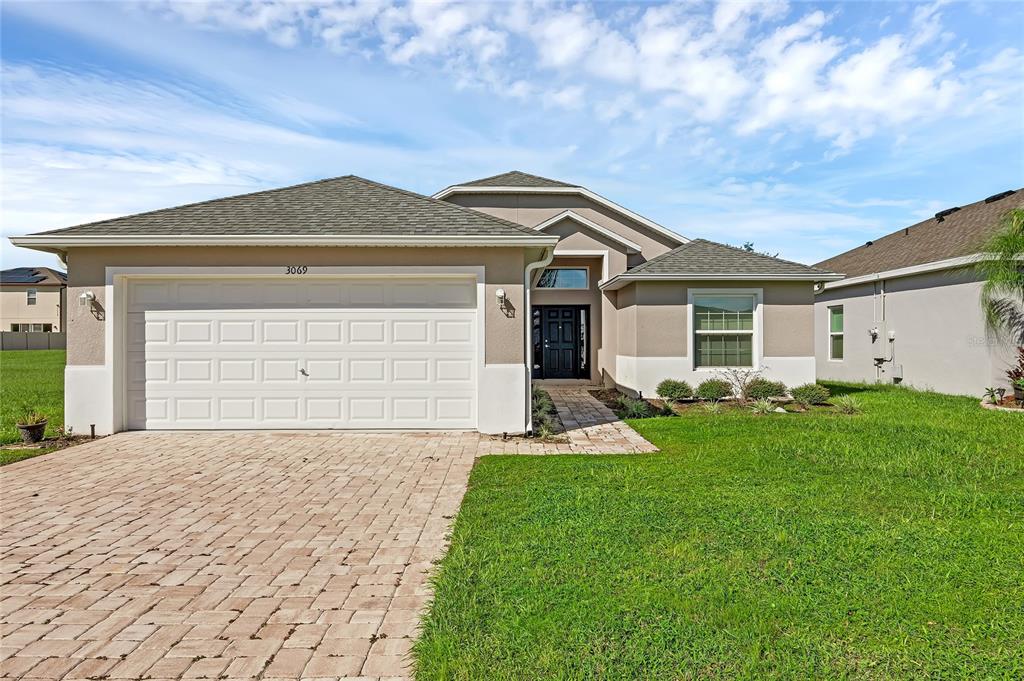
column 118, row 278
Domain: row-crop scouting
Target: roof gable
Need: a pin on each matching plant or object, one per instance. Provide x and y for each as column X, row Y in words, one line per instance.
column 342, row 206
column 576, row 218
column 945, row 236
column 516, row 178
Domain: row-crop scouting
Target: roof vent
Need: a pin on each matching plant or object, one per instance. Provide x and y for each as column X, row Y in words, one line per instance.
column 941, row 215
column 869, row 243
column 1000, row 195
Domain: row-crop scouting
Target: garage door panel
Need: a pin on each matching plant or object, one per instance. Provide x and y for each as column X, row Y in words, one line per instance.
column 227, row 362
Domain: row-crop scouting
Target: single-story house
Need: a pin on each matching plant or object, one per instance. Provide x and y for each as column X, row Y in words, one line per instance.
column 908, row 310
column 345, row 303
column 32, row 299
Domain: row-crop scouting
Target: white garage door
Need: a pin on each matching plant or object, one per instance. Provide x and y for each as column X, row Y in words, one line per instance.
column 308, row 353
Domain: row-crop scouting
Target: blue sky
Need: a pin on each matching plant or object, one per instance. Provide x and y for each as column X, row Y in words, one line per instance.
column 806, row 128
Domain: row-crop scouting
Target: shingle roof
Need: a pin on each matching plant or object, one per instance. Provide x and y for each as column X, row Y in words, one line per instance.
column 341, row 206
column 33, row 276
column 703, row 257
column 515, row 178
column 952, row 235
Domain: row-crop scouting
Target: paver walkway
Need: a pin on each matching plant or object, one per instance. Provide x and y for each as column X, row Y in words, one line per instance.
column 271, row 555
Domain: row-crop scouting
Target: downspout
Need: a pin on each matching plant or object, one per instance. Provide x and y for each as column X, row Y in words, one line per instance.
column 549, row 255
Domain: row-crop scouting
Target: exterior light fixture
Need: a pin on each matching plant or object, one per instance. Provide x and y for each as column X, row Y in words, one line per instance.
column 86, row 298
column 500, row 293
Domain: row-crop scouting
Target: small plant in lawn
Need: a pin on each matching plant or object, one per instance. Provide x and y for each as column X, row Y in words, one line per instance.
column 633, row 408
column 712, row 407
column 992, row 395
column 847, row 404
column 673, row 391
column 763, row 389
column 29, row 417
column 810, row 393
column 762, row 407
column 714, row 389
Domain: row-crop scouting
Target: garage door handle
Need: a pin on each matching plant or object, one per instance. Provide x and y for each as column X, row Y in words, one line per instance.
column 303, row 372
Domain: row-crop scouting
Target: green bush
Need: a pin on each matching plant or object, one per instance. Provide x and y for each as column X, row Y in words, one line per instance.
column 713, row 389
column 672, row 390
column 633, row 408
column 810, row 393
column 762, row 407
column 762, row 389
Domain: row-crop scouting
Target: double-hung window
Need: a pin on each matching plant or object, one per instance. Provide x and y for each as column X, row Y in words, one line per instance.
column 723, row 329
column 835, row 332
column 30, row 296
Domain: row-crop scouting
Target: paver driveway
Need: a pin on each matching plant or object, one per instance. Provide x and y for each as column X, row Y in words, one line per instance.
column 224, row 555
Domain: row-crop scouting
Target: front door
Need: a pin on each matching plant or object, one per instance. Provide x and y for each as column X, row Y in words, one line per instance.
column 561, row 336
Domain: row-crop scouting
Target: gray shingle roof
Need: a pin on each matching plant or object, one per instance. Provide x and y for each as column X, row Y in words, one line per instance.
column 702, row 257
column 515, row 178
column 957, row 234
column 341, row 206
column 33, row 276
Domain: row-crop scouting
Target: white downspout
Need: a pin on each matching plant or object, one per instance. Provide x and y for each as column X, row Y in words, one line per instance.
column 549, row 255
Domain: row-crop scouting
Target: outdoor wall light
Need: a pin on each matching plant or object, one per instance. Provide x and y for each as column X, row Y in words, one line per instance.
column 500, row 293
column 86, row 298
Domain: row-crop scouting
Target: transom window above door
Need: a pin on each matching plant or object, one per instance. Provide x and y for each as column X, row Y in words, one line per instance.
column 723, row 326
column 564, row 278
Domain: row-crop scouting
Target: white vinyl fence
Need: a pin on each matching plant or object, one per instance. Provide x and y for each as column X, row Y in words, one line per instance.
column 32, row 340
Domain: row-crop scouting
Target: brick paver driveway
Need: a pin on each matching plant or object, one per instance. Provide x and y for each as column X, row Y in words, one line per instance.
column 224, row 555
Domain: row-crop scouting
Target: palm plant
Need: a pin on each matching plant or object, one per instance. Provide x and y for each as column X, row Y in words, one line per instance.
column 1002, row 295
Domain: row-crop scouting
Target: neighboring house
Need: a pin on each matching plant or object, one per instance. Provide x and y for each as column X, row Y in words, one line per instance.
column 346, row 303
column 908, row 310
column 33, row 299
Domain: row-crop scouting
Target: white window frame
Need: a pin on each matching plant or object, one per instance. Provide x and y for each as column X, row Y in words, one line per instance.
column 831, row 333
column 757, row 357
column 586, row 271
column 31, row 296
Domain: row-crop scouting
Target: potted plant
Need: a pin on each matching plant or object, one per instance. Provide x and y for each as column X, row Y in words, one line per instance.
column 1018, row 391
column 31, row 426
column 1016, row 376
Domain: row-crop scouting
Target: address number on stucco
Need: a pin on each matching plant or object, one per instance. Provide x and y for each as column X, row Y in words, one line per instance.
column 296, row 269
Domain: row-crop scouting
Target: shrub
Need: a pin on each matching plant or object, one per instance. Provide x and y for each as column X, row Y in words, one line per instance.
column 713, row 389
column 633, row 408
column 847, row 404
column 544, row 414
column 672, row 390
column 810, row 393
column 762, row 407
column 762, row 389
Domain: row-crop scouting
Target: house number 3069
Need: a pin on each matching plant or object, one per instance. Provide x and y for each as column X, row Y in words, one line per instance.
column 296, row 269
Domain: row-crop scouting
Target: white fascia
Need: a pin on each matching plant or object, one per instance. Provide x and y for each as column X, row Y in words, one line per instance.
column 630, row 246
column 935, row 266
column 57, row 241
column 621, row 280
column 576, row 191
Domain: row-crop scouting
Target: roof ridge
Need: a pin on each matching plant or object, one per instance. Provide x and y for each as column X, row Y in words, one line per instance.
column 198, row 203
column 446, row 204
column 759, row 255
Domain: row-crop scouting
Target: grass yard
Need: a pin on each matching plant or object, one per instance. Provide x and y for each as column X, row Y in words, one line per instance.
column 883, row 545
column 34, row 380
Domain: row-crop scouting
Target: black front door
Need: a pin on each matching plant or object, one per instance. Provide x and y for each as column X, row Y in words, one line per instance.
column 561, row 336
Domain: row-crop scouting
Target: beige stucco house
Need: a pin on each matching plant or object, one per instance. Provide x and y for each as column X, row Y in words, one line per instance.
column 346, row 303
column 32, row 299
column 908, row 310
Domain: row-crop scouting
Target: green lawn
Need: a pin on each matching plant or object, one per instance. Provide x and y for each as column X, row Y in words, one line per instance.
column 30, row 379
column 884, row 545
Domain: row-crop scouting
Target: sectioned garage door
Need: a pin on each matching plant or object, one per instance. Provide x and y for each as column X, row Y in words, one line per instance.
column 308, row 353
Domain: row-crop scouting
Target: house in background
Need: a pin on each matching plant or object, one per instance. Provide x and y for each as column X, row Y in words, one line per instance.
column 33, row 299
column 908, row 310
column 346, row 303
